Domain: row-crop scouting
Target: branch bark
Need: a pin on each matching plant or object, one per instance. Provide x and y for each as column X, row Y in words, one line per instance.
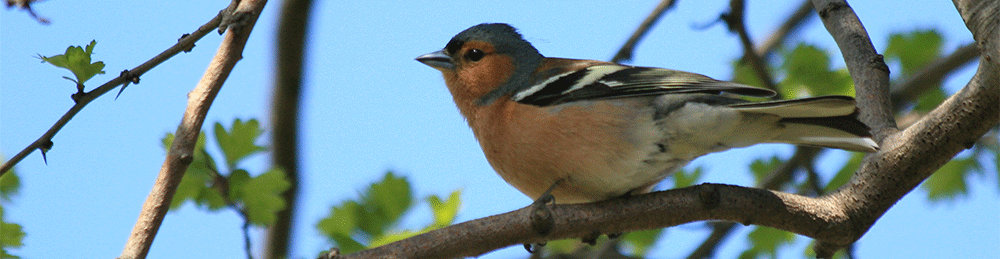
column 835, row 220
column 625, row 53
column 185, row 43
column 181, row 151
column 292, row 28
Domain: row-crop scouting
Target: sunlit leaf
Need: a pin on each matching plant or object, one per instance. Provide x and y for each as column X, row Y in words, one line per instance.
column 950, row 181
column 262, row 196
column 384, row 203
column 446, row 210
column 761, row 168
column 10, row 184
column 914, row 49
column 765, row 241
column 239, row 142
column 11, row 235
column 808, row 73
column 683, row 178
column 77, row 60
column 642, row 241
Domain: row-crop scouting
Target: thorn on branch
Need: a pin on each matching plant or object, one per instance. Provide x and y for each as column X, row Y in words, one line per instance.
column 187, row 49
column 878, row 62
column 129, row 78
column 45, row 148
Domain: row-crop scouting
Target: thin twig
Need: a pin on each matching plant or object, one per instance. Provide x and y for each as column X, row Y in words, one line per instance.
column 735, row 21
column 625, row 53
column 183, row 44
column 791, row 24
column 181, row 151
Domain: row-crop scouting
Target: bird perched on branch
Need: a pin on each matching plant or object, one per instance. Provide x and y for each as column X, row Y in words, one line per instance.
column 585, row 130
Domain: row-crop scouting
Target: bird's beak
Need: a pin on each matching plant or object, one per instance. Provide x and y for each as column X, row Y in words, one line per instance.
column 437, row 59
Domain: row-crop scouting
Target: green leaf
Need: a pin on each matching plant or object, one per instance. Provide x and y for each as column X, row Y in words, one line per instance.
column 808, row 73
column 77, row 60
column 384, row 203
column 342, row 219
column 641, row 241
column 744, row 74
column 949, row 181
column 762, row 168
column 914, row 50
column 347, row 244
column 340, row 224
column 261, row 196
column 765, row 241
column 238, row 143
column 444, row 211
column 11, row 236
column 10, row 184
column 683, row 178
column 845, row 173
column 393, row 237
column 930, row 100
column 196, row 184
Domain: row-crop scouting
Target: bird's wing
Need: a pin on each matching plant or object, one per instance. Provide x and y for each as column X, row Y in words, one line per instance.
column 602, row 80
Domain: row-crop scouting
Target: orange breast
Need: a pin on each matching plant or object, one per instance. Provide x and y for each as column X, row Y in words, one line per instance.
column 590, row 146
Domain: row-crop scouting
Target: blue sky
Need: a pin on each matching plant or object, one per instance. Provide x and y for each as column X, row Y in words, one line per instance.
column 369, row 107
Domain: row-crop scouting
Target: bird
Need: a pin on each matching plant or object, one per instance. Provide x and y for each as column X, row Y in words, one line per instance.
column 587, row 130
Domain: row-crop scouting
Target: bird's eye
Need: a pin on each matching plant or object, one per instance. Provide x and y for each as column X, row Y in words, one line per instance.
column 474, row 54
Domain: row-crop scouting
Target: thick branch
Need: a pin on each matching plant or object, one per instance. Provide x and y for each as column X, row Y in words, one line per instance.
column 807, row 216
column 292, row 28
column 867, row 68
column 181, row 151
column 625, row 53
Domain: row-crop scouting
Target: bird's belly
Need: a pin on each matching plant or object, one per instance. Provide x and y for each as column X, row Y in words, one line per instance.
column 594, row 150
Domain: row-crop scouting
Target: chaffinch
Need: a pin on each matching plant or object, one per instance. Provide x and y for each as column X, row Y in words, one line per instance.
column 589, row 130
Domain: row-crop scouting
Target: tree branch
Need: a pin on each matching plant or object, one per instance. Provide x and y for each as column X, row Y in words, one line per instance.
column 734, row 20
column 835, row 220
column 292, row 27
column 625, row 53
column 181, row 151
column 867, row 68
column 791, row 24
column 184, row 44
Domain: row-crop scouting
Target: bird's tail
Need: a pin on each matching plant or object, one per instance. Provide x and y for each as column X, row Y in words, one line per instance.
column 826, row 121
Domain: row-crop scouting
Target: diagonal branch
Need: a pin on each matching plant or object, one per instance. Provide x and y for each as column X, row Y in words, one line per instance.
column 184, row 44
column 791, row 24
column 625, row 53
column 867, row 68
column 835, row 220
column 735, row 21
column 181, row 151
